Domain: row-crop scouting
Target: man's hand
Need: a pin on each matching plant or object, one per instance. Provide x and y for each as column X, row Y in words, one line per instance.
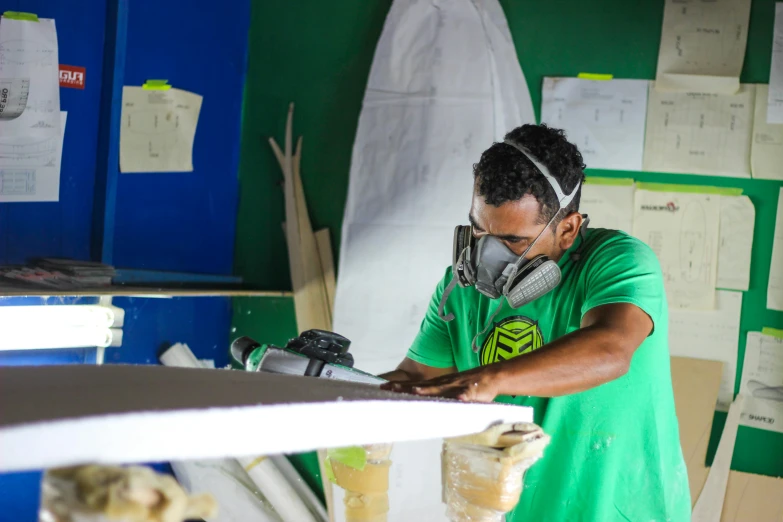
column 472, row 386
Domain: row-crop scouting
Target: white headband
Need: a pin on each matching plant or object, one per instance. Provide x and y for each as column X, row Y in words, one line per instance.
column 562, row 199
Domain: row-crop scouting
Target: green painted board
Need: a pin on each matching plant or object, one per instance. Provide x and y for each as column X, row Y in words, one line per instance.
column 318, row 55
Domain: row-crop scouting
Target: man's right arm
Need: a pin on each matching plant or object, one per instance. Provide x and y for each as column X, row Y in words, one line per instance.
column 410, row 370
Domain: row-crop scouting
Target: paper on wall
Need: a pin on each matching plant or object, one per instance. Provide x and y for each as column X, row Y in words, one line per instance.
column 702, row 45
column 158, row 130
column 699, row 133
column 737, row 221
column 710, row 335
column 29, row 69
column 766, row 150
column 775, row 284
column 682, row 230
column 774, row 98
column 31, row 172
column 604, row 119
column 445, row 83
column 608, row 205
column 762, row 382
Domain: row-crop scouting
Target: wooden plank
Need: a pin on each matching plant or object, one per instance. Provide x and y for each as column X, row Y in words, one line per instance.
column 753, row 498
column 323, row 241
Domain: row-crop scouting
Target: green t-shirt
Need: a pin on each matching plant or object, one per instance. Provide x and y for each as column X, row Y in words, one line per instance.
column 615, row 451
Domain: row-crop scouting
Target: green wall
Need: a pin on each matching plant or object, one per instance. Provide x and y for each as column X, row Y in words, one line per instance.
column 318, row 54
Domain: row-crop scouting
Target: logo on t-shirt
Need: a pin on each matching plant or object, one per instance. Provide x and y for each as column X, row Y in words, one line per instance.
column 510, row 338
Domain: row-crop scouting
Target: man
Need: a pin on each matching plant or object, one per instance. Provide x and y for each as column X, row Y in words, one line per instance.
column 590, row 356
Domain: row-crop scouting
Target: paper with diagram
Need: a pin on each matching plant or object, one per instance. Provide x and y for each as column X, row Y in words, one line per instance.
column 710, row 335
column 702, row 45
column 762, row 382
column 775, row 285
column 605, row 119
column 29, row 82
column 682, row 229
column 699, row 133
column 31, row 172
column 737, row 222
column 158, row 129
column 609, row 203
column 774, row 98
column 766, row 152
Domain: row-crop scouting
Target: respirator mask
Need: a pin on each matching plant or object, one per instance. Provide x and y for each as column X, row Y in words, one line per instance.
column 495, row 271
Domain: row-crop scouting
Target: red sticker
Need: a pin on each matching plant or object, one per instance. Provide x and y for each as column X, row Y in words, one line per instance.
column 71, row 76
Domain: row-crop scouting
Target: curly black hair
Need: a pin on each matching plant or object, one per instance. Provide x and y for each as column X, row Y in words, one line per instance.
column 505, row 174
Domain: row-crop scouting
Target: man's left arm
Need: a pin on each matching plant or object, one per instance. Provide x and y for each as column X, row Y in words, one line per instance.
column 599, row 352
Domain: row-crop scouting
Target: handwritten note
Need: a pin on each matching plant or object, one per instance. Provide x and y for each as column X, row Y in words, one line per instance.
column 737, row 221
column 683, row 231
column 699, row 133
column 605, row 119
column 712, row 335
column 702, row 45
column 775, row 285
column 774, row 97
column 766, row 153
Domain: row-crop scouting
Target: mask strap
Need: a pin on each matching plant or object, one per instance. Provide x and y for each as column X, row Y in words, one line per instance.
column 445, row 297
column 563, row 199
column 486, row 327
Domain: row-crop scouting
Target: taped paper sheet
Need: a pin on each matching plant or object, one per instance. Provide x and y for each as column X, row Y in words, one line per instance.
column 682, row 230
column 53, row 416
column 710, row 335
column 608, row 205
column 605, row 119
column 29, row 68
column 774, row 98
column 775, row 285
column 32, row 172
column 158, row 130
column 702, row 45
column 698, row 133
column 737, row 221
column 762, row 382
column 766, row 150
column 445, row 84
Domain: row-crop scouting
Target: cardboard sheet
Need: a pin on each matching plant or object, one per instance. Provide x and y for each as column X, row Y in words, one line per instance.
column 766, row 152
column 696, row 383
column 63, row 415
column 682, row 230
column 775, row 284
column 762, row 382
column 608, row 206
column 699, row 133
column 605, row 119
column 774, row 98
column 158, row 130
column 710, row 335
column 702, row 45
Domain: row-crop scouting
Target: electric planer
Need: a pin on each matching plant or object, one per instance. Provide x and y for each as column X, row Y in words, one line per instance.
column 315, row 353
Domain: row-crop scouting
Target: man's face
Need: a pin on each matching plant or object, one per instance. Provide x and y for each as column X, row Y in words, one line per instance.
column 517, row 224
